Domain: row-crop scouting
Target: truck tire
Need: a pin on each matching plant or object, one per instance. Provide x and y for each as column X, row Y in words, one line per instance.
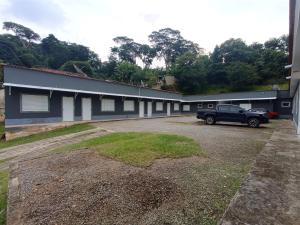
column 253, row 122
column 210, row 120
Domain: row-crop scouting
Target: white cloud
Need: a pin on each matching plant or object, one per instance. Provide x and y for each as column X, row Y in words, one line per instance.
column 208, row 22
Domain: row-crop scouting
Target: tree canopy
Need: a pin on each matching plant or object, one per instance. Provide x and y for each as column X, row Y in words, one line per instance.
column 232, row 65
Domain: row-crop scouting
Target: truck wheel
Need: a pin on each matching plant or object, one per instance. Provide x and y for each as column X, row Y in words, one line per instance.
column 253, row 122
column 210, row 120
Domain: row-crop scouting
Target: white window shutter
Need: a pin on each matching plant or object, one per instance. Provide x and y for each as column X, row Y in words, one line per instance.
column 34, row 103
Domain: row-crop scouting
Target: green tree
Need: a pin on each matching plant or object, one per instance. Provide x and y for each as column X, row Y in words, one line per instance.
column 84, row 66
column 146, row 54
column 190, row 72
column 169, row 45
column 232, row 50
column 127, row 72
column 22, row 32
column 241, row 75
column 127, row 51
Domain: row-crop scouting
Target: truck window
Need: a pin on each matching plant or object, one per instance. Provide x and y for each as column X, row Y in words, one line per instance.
column 223, row 108
column 235, row 109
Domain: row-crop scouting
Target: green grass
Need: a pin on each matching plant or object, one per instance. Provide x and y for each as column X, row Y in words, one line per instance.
column 3, row 196
column 1, row 128
column 43, row 135
column 216, row 89
column 283, row 86
column 139, row 149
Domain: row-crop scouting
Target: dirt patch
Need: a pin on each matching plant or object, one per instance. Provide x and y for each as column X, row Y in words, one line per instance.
column 84, row 188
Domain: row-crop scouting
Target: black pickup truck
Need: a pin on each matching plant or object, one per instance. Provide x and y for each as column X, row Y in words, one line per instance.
column 232, row 113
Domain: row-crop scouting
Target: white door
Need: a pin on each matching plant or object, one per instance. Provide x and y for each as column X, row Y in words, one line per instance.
column 68, row 109
column 246, row 105
column 142, row 108
column 86, row 108
column 168, row 109
column 149, row 109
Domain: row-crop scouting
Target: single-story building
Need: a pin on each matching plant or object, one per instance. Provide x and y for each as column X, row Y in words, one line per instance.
column 42, row 96
column 294, row 53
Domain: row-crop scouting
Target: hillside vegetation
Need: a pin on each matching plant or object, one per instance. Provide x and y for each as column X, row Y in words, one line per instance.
column 232, row 66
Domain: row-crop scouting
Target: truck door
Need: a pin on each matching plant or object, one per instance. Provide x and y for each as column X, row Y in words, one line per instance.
column 236, row 115
column 223, row 113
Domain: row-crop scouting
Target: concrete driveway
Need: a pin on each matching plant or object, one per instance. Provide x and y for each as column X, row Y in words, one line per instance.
column 82, row 187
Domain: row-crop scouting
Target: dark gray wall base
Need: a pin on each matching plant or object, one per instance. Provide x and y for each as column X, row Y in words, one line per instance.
column 9, row 122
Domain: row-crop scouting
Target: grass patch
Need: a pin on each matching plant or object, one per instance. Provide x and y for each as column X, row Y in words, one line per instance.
column 1, row 128
column 139, row 149
column 3, row 196
column 269, row 87
column 43, row 135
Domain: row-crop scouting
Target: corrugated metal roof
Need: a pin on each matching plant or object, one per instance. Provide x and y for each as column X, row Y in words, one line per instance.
column 250, row 95
column 64, row 81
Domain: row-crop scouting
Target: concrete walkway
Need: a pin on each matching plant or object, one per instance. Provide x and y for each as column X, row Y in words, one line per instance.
column 271, row 192
column 34, row 149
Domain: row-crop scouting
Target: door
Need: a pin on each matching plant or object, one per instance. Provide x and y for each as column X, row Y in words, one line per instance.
column 142, row 108
column 168, row 109
column 86, row 104
column 68, row 109
column 223, row 113
column 237, row 114
column 149, row 109
column 246, row 105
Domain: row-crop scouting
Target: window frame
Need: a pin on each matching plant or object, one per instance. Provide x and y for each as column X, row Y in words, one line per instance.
column 162, row 107
column 177, row 108
column 110, row 99
column 189, row 107
column 200, row 105
column 38, row 111
column 129, row 110
column 210, row 104
column 284, row 102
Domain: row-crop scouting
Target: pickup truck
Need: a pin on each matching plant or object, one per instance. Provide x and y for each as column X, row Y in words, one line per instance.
column 232, row 113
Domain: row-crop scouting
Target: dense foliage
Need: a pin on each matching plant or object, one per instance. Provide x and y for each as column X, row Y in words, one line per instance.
column 233, row 65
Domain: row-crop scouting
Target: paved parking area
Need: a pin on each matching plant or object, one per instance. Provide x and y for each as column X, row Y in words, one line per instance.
column 83, row 187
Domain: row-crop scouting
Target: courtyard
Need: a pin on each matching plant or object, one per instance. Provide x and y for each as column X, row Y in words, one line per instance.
column 83, row 186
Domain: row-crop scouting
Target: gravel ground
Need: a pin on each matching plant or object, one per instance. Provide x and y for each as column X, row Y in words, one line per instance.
column 82, row 187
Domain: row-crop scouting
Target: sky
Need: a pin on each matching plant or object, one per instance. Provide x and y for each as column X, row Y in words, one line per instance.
column 94, row 23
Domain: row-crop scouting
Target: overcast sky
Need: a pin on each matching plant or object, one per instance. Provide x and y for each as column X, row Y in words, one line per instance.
column 94, row 23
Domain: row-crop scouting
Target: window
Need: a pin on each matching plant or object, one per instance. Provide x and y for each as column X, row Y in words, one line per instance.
column 186, row 108
column 200, row 106
column 235, row 109
column 128, row 106
column 224, row 108
column 176, row 106
column 159, row 106
column 107, row 105
column 34, row 103
column 285, row 104
column 210, row 106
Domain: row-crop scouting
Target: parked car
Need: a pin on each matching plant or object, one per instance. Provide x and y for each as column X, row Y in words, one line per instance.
column 232, row 113
column 271, row 115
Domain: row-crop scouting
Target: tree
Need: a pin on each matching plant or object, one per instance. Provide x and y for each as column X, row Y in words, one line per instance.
column 278, row 44
column 146, row 54
column 22, row 32
column 190, row 72
column 232, row 50
column 217, row 74
column 241, row 75
column 127, row 51
column 84, row 66
column 127, row 72
column 169, row 45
